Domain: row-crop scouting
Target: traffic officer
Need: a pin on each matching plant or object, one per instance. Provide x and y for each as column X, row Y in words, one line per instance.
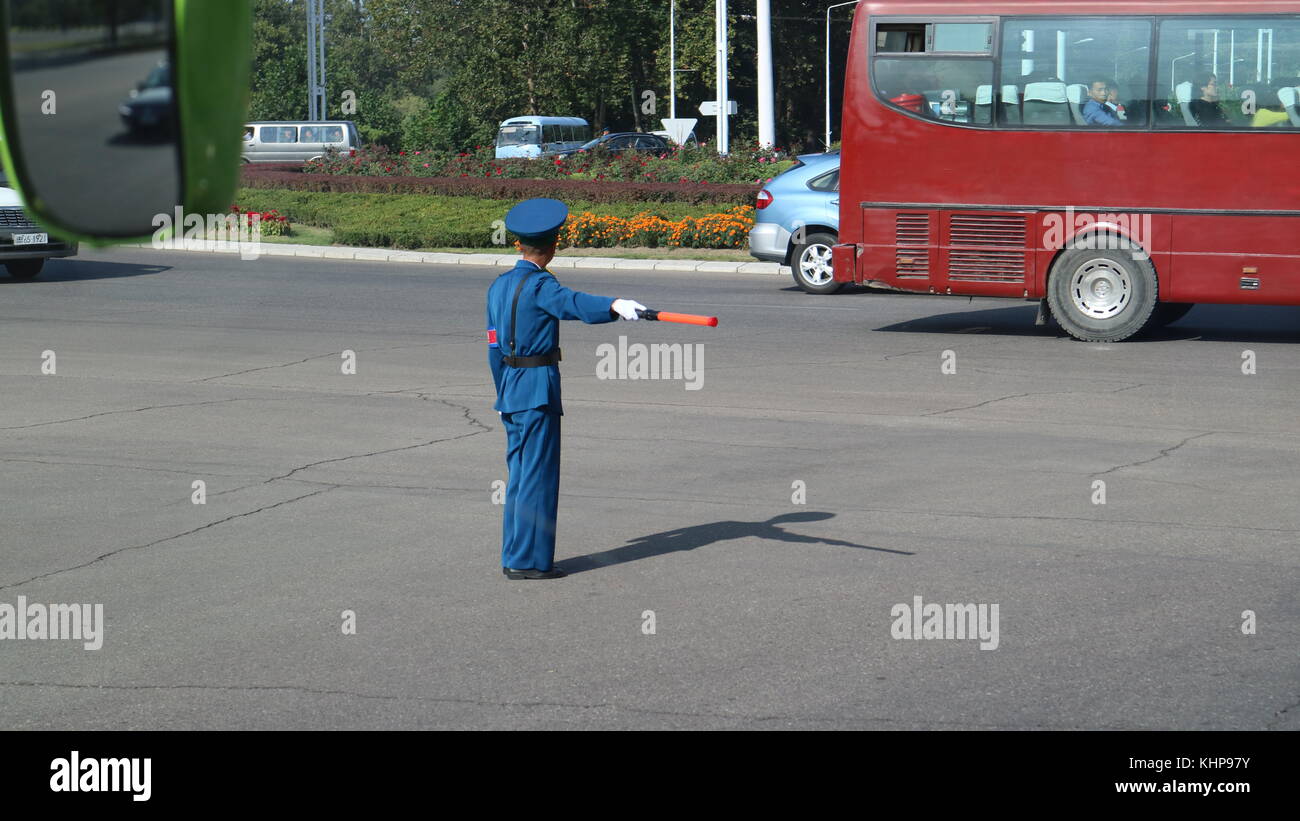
column 524, row 306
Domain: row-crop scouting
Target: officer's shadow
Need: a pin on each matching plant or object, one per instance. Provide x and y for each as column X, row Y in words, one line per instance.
column 689, row 538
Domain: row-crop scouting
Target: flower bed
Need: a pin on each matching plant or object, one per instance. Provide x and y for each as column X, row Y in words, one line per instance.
column 271, row 223
column 728, row 229
column 410, row 221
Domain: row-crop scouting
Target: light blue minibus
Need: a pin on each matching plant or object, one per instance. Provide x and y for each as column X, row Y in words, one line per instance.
column 537, row 136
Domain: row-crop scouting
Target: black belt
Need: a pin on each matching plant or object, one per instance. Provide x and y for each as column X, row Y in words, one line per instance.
column 539, row 361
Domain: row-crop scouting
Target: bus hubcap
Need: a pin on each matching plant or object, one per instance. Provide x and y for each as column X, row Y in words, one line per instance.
column 815, row 265
column 1101, row 289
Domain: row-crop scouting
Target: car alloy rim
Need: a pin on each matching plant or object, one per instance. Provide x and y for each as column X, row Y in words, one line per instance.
column 1101, row 289
column 815, row 265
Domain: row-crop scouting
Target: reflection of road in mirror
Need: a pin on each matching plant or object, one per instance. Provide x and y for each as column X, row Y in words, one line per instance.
column 95, row 111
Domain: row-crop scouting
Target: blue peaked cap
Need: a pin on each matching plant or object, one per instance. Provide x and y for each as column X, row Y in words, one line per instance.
column 537, row 220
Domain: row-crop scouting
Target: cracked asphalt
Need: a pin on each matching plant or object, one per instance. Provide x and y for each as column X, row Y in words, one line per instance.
column 372, row 493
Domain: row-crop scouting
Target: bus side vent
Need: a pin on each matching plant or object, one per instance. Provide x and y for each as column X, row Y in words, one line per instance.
column 912, row 233
column 987, row 248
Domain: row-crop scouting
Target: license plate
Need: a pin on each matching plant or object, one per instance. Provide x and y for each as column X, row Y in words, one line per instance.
column 31, row 239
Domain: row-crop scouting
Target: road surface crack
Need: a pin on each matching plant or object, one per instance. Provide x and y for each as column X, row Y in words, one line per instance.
column 146, row 408
column 1162, row 454
column 156, row 542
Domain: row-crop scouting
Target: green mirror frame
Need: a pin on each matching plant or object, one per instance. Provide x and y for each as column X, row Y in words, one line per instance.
column 213, row 54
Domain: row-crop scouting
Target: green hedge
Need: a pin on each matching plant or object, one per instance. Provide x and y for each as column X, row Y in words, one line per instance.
column 420, row 221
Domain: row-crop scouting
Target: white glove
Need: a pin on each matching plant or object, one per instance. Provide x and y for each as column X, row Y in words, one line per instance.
column 627, row 308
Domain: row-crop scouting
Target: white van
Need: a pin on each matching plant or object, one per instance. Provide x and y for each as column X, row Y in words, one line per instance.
column 297, row 141
column 24, row 246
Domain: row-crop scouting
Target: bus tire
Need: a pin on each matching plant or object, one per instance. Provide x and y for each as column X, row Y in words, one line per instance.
column 1103, row 295
column 25, row 268
column 1167, row 313
column 810, row 263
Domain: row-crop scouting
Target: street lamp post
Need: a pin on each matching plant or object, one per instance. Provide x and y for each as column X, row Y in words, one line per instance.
column 828, row 66
column 672, row 59
column 766, row 96
column 720, row 43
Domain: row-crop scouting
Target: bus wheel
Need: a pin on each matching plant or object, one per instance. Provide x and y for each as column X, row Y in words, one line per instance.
column 25, row 268
column 811, row 264
column 1167, row 313
column 1102, row 296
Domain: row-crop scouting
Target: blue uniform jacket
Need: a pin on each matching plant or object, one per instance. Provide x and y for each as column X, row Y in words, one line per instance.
column 543, row 302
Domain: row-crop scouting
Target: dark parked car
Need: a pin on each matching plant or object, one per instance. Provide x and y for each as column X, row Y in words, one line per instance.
column 622, row 142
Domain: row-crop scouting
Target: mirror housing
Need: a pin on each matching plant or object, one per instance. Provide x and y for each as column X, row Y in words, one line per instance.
column 206, row 61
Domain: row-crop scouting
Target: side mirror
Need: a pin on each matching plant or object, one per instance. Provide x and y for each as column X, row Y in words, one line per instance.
column 116, row 112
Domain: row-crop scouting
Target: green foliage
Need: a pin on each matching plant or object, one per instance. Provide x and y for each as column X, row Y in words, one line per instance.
column 420, row 221
column 469, row 65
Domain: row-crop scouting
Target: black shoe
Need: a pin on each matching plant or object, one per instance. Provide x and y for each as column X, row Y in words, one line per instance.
column 514, row 574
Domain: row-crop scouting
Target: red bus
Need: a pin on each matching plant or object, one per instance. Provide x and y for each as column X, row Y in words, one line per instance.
column 1117, row 161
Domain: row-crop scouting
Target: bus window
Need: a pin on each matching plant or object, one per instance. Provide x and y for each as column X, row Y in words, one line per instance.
column 936, row 88
column 913, row 73
column 551, row 134
column 1227, row 73
column 1072, row 73
column 517, row 135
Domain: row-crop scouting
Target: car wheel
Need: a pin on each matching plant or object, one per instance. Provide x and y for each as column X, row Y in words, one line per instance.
column 1167, row 313
column 25, row 268
column 810, row 263
column 1103, row 295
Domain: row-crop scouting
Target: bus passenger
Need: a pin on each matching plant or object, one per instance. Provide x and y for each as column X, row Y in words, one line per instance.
column 1206, row 109
column 1095, row 111
column 1112, row 100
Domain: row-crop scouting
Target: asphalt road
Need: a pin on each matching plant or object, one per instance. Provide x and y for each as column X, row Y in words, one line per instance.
column 372, row 493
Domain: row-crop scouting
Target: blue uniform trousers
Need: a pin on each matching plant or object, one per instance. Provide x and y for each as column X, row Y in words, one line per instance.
column 533, row 492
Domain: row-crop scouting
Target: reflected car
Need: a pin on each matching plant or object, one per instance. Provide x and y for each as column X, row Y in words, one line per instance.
column 797, row 221
column 148, row 108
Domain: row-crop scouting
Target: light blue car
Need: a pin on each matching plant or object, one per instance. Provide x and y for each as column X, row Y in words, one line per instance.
column 797, row 221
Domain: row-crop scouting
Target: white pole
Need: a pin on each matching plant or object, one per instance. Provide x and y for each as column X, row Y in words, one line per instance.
column 1232, row 57
column 1259, row 55
column 724, row 138
column 672, row 59
column 766, row 96
column 311, row 61
column 1270, row 56
column 1060, row 55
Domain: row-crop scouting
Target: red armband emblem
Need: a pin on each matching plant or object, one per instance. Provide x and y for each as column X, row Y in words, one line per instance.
column 492, row 338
